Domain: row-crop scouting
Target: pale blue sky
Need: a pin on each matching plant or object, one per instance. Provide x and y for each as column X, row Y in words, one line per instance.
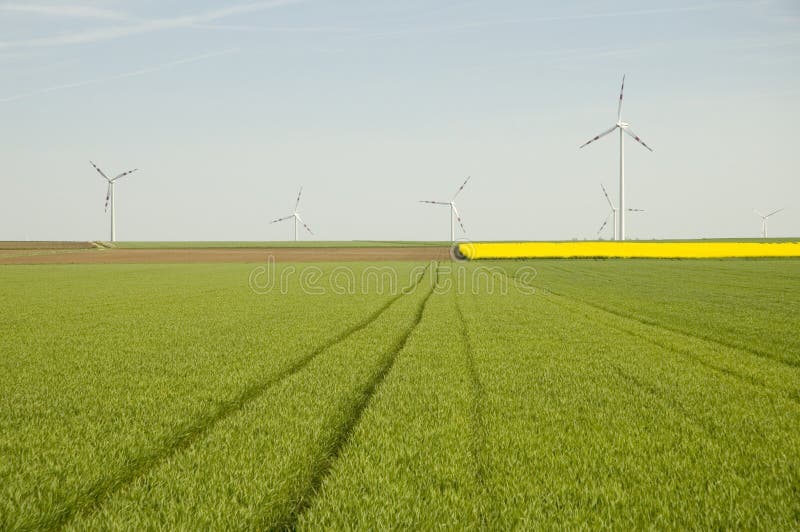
column 228, row 108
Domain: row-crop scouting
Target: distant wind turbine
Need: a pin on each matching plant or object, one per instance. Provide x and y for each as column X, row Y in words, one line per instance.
column 612, row 213
column 764, row 220
column 453, row 210
column 623, row 127
column 110, row 195
column 296, row 216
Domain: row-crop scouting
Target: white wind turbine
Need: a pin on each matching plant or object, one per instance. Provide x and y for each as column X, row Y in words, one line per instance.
column 453, row 211
column 613, row 213
column 764, row 220
column 623, row 127
column 296, row 216
column 110, row 196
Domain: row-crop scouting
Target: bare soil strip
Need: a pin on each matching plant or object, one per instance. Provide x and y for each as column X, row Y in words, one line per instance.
column 235, row 255
column 8, row 244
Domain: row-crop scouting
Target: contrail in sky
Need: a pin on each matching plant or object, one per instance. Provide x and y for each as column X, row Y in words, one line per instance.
column 146, row 26
column 68, row 11
column 139, row 72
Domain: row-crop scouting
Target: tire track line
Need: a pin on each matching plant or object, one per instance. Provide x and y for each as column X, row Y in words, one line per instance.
column 478, row 434
column 90, row 498
column 631, row 379
column 344, row 435
column 747, row 379
column 666, row 401
column 686, row 353
column 676, row 330
column 709, row 431
column 639, row 279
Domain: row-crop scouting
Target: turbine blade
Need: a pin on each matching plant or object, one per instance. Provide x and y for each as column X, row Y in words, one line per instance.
column 108, row 196
column 434, row 202
column 621, row 90
column 304, row 224
column 123, row 174
column 100, row 171
column 774, row 212
column 606, row 195
column 461, row 187
column 603, row 134
column 297, row 203
column 635, row 210
column 458, row 217
column 758, row 213
column 605, row 223
column 636, row 138
column 282, row 219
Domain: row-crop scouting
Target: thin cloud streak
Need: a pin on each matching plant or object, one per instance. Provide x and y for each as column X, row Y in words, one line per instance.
column 555, row 18
column 147, row 26
column 68, row 11
column 276, row 29
column 134, row 73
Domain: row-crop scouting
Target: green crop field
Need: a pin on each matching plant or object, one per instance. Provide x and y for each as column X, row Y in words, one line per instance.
column 621, row 394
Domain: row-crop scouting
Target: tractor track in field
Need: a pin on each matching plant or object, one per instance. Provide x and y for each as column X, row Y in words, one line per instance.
column 668, row 403
column 90, row 498
column 677, row 330
column 686, row 353
column 742, row 377
column 747, row 379
column 649, row 322
column 477, row 422
column 605, row 278
column 345, row 432
column 639, row 384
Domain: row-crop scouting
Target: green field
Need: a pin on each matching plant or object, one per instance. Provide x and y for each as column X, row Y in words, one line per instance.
column 532, row 394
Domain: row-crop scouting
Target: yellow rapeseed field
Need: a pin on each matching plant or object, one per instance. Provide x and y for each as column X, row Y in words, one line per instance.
column 655, row 250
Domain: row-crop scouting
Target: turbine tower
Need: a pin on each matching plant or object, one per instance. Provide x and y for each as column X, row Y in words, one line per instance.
column 764, row 220
column 623, row 128
column 453, row 211
column 296, row 216
column 613, row 213
column 110, row 196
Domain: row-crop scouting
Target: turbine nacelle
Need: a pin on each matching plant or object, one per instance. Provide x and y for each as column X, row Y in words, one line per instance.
column 295, row 216
column 764, row 218
column 453, row 210
column 110, row 194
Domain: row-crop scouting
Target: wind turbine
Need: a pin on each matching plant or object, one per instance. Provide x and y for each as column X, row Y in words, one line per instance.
column 623, row 128
column 613, row 212
column 296, row 216
column 110, row 196
column 453, row 210
column 764, row 220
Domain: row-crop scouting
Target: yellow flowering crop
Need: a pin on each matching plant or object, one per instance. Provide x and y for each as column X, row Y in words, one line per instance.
column 665, row 250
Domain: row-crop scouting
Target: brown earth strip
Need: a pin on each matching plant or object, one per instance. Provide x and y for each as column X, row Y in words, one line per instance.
column 235, row 255
column 8, row 244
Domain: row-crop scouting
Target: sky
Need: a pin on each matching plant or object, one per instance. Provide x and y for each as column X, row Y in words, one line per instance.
column 227, row 108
